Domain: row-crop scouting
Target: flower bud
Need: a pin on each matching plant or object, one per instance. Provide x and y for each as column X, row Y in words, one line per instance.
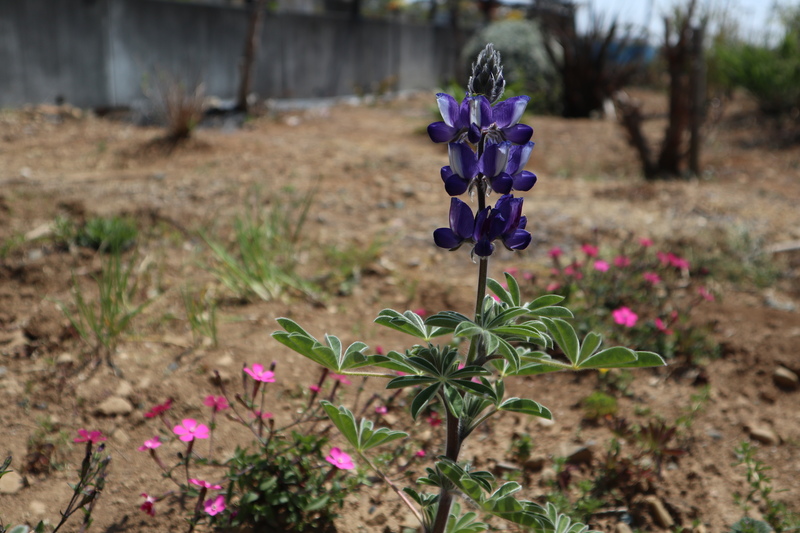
column 487, row 75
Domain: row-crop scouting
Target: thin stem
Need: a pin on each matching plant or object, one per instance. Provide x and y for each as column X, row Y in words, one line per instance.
column 403, row 496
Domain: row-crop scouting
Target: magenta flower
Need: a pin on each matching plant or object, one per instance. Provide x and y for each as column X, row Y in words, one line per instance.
column 512, row 271
column 159, row 409
column 151, row 444
column 621, row 261
column 89, row 436
column 259, row 373
column 341, row 379
column 420, row 453
column 601, row 266
column 589, row 250
column 662, row 327
column 706, row 294
column 314, row 388
column 652, row 278
column 553, row 286
column 434, row 419
column 381, row 410
column 205, row 484
column 258, row 414
column 149, row 505
column 215, row 506
column 421, row 311
column 574, row 270
column 647, row 243
column 340, row 460
column 555, row 252
column 190, row 429
column 379, row 350
column 216, row 403
column 625, row 317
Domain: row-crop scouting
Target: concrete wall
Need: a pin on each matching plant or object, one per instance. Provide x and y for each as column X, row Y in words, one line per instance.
column 108, row 52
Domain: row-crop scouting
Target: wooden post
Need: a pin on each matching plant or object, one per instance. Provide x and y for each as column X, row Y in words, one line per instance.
column 249, row 57
column 698, row 95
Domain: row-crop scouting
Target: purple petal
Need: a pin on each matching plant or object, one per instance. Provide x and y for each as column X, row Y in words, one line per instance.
column 446, row 172
column 502, row 184
column 456, row 185
column 461, row 220
column 524, row 181
column 494, row 159
column 481, row 112
column 446, row 238
column 439, row 132
column 483, row 248
column 509, row 112
column 474, row 133
column 463, row 160
column 518, row 157
column 448, row 107
column 519, row 133
column 519, row 240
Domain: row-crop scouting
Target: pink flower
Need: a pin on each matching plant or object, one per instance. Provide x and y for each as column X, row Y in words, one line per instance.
column 652, row 278
column 512, row 271
column 340, row 460
column 149, row 505
column 420, row 453
column 678, row 262
column 341, row 379
column 527, row 276
column 601, row 266
column 589, row 250
column 421, row 311
column 259, row 373
column 705, row 293
column 495, row 297
column 159, row 409
column 625, row 317
column 205, row 484
column 621, row 261
column 381, row 410
column 151, row 444
column 314, row 388
column 574, row 270
column 434, row 419
column 555, row 252
column 215, row 506
column 379, row 350
column 258, row 414
column 647, row 243
column 189, row 429
column 89, row 436
column 662, row 327
column 216, row 403
column 552, row 287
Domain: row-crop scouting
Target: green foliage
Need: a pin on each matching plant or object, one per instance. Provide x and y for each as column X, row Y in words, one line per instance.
column 263, row 259
column 750, row 525
column 521, row 447
column 101, row 322
column 111, row 235
column 599, row 405
column 347, row 264
column 282, row 487
column 201, row 312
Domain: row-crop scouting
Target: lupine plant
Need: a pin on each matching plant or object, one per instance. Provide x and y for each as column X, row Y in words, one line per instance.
column 506, row 337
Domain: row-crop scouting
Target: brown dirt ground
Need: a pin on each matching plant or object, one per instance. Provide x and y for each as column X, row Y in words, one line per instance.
column 377, row 179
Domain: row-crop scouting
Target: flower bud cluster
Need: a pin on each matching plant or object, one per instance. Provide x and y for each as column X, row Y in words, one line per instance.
column 488, row 150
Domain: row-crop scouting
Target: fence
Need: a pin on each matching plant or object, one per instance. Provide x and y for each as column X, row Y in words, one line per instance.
column 95, row 53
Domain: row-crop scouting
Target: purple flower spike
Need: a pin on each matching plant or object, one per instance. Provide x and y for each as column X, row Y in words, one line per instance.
column 461, row 226
column 501, row 123
column 493, row 166
column 456, row 119
column 517, row 159
column 513, row 233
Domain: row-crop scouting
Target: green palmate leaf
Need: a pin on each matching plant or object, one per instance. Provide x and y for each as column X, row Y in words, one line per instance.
column 422, row 399
column 507, row 489
column 344, row 421
column 564, row 524
column 526, row 406
column 425, row 365
column 394, row 361
column 564, row 335
column 455, row 402
column 447, row 320
column 644, row 359
column 410, row 381
column 513, row 289
column 410, row 323
column 316, row 504
column 609, row 358
column 544, row 306
column 468, row 329
column 590, row 344
column 329, row 355
column 505, row 317
column 500, row 291
column 475, row 388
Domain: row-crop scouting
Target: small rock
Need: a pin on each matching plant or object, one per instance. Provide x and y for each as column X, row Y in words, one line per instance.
column 534, row 463
column 545, row 423
column 764, row 435
column 37, row 508
column 377, row 520
column 659, row 512
column 124, row 390
column 622, row 527
column 547, row 476
column 714, row 433
column 785, row 378
column 390, row 419
column 503, row 466
column 65, row 358
column 121, row 437
column 225, row 360
column 700, row 528
column 11, row 483
column 576, row 454
column 113, row 406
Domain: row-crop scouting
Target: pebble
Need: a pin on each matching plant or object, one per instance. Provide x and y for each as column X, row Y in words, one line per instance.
column 535, row 463
column 547, row 476
column 113, row 406
column 377, row 520
column 37, row 508
column 576, row 454
column 764, row 435
column 124, row 390
column 700, row 528
column 11, row 483
column 65, row 358
column 714, row 433
column 659, row 512
column 785, row 378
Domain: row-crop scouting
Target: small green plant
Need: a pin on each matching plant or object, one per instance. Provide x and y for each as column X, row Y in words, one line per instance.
column 201, row 312
column 112, row 235
column 101, row 322
column 751, row 525
column 599, row 405
column 347, row 264
column 263, row 260
column 522, row 446
column 775, row 513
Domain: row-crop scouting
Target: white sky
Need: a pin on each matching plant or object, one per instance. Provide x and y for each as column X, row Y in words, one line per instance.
column 755, row 17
